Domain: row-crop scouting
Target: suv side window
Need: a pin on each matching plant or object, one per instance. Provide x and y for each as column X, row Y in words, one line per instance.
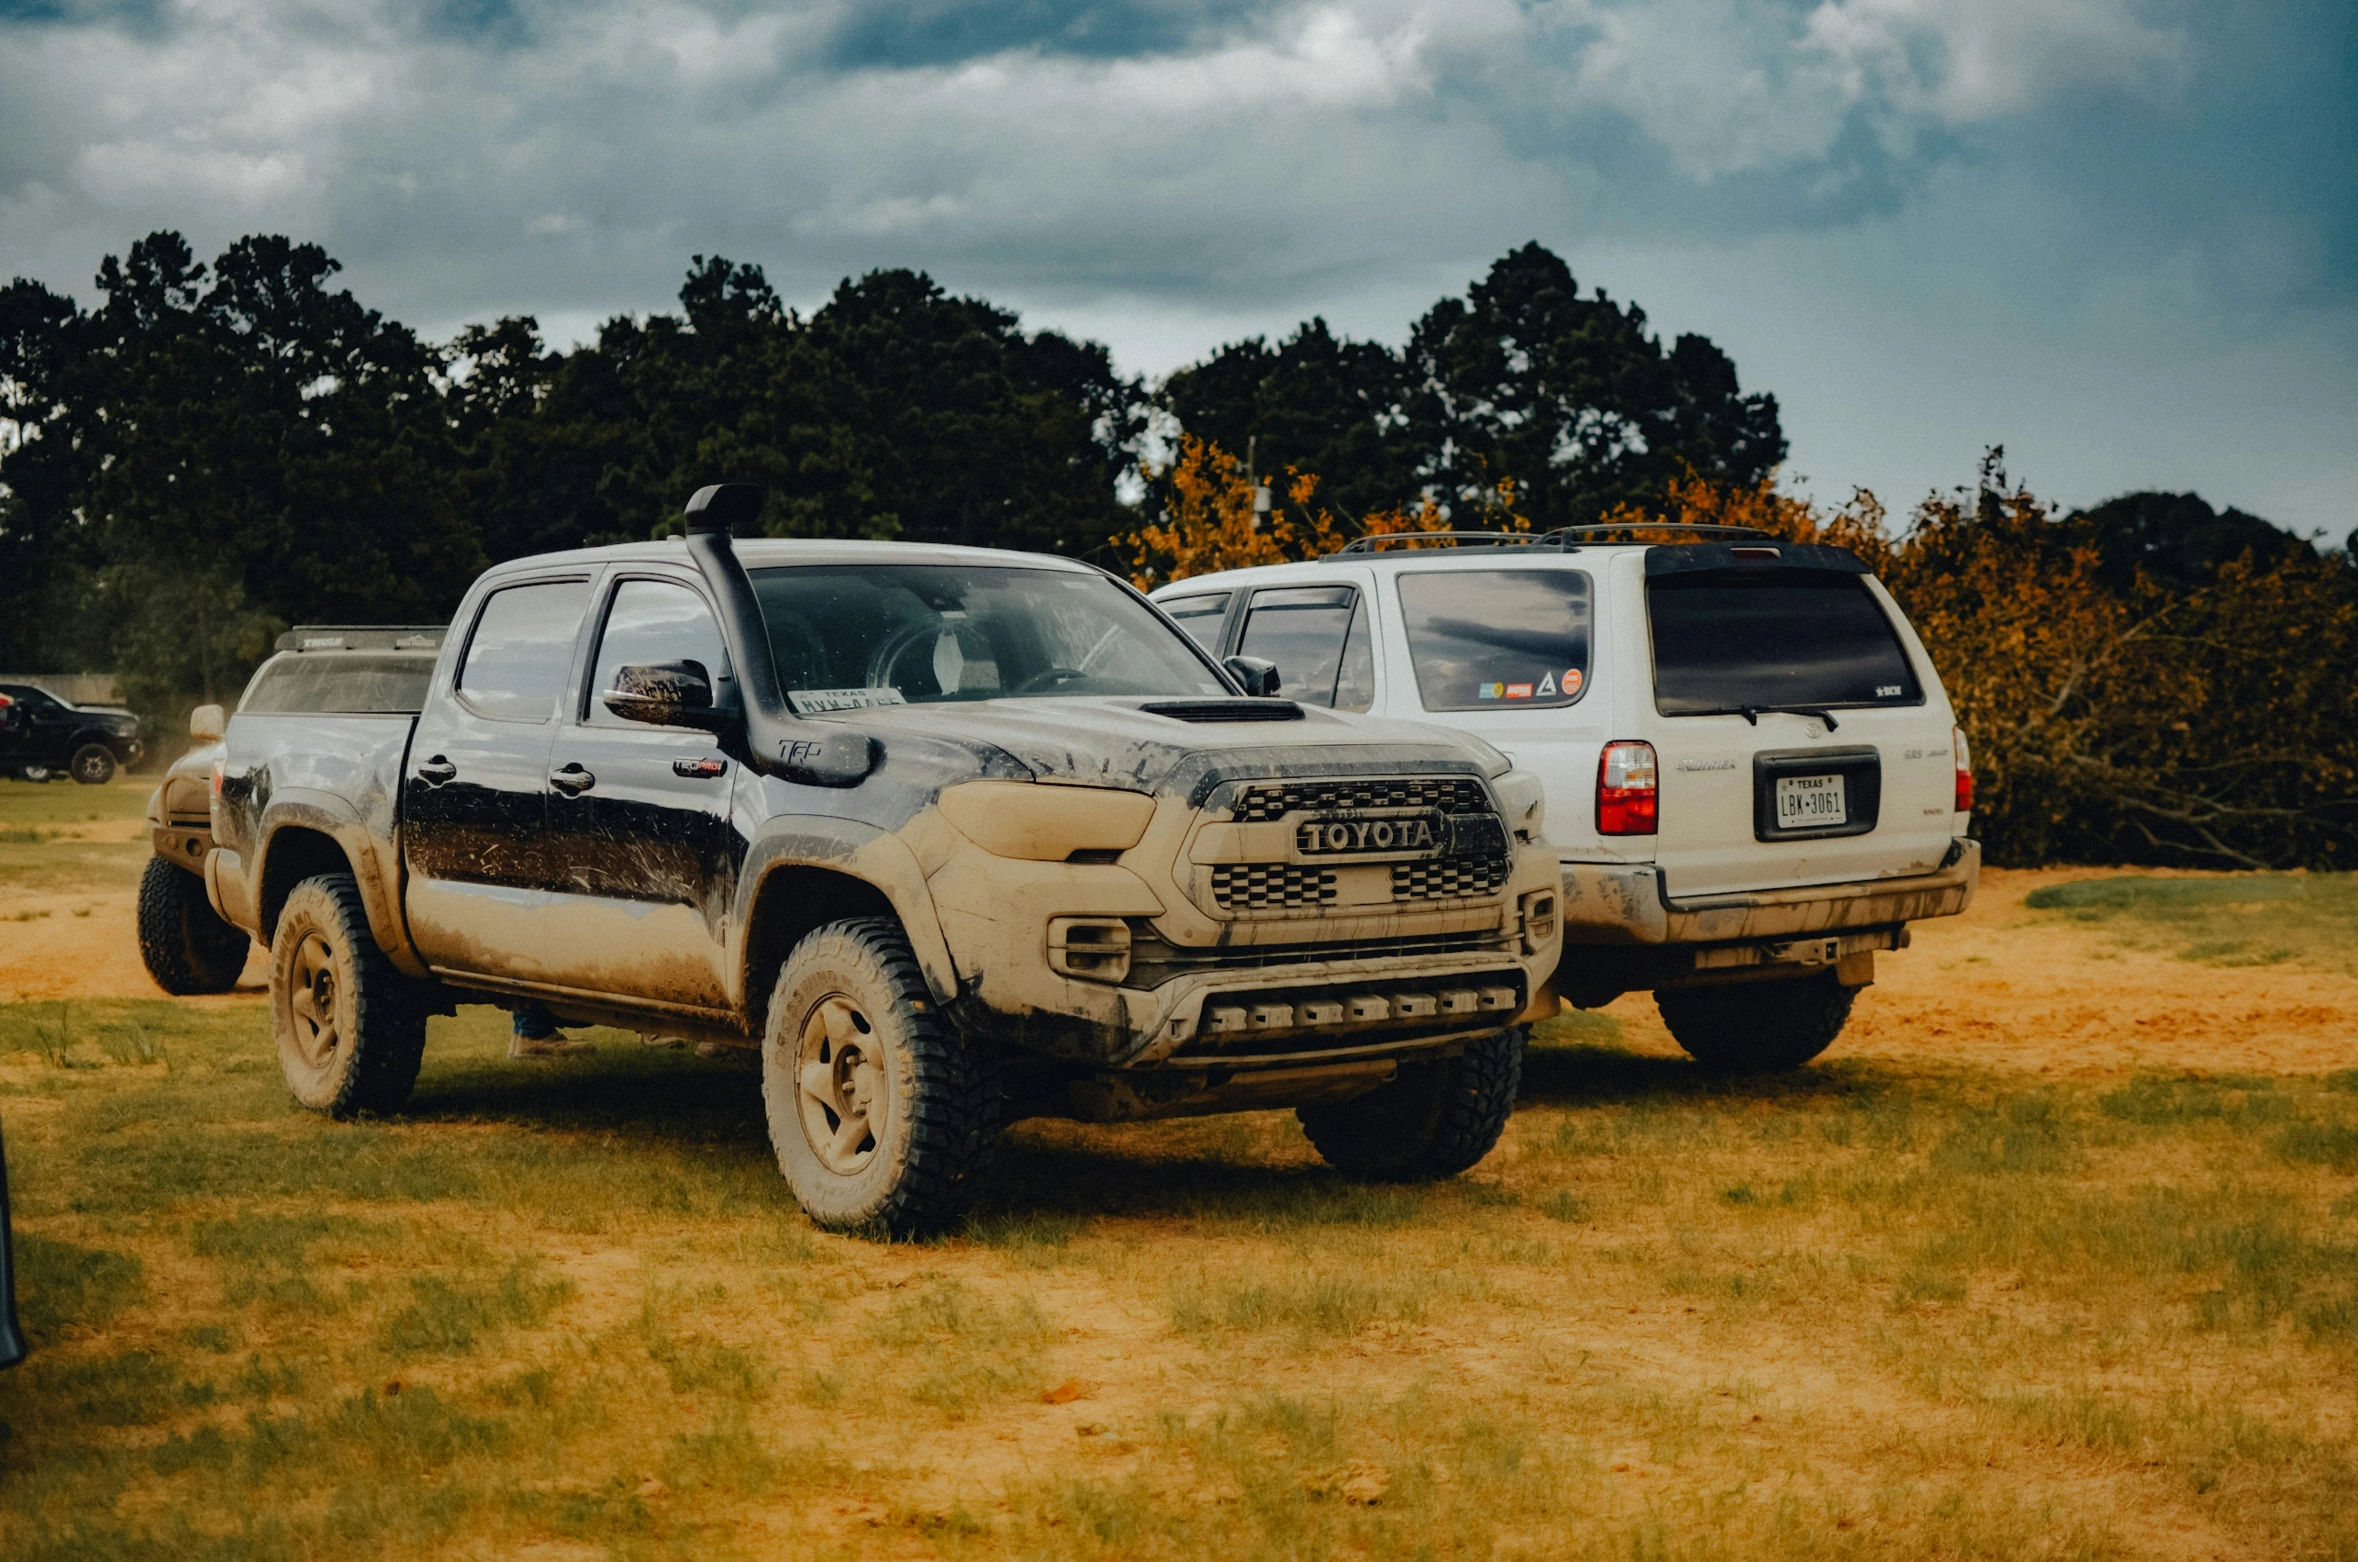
column 522, row 648
column 1303, row 629
column 1202, row 617
column 1497, row 639
column 657, row 621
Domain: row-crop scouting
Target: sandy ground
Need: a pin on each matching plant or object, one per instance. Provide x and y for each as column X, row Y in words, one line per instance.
column 2000, row 987
column 85, row 944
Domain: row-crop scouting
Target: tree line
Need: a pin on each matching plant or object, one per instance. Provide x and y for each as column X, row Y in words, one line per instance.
column 212, row 451
column 209, row 452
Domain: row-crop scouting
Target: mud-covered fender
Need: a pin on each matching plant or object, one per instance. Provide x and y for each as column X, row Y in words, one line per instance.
column 373, row 864
column 857, row 850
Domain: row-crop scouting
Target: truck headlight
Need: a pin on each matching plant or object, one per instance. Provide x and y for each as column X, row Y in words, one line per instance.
column 1523, row 802
column 1041, row 822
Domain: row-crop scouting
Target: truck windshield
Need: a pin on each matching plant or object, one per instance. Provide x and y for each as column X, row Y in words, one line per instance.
column 850, row 636
column 340, row 683
column 1734, row 640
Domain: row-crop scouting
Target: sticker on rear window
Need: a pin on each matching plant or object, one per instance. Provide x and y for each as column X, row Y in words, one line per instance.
column 814, row 702
column 1518, row 691
column 1572, row 680
column 1547, row 687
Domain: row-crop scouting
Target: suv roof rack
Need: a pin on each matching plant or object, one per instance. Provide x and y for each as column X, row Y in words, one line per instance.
column 1565, row 536
column 363, row 637
column 1369, row 544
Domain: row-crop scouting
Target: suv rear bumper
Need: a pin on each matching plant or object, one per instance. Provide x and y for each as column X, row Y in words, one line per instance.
column 1609, row 904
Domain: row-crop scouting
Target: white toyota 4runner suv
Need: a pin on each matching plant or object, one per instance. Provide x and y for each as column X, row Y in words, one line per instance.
column 1753, row 776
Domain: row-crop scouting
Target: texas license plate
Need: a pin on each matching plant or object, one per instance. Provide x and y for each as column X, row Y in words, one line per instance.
column 1810, row 802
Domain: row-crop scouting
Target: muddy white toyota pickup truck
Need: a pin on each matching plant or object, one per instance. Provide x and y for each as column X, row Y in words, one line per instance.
column 1754, row 780
column 950, row 835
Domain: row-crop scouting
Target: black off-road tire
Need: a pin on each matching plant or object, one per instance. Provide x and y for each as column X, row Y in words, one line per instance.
column 851, row 1003
column 352, row 1042
column 187, row 947
column 1757, row 1027
column 1432, row 1120
column 93, row 764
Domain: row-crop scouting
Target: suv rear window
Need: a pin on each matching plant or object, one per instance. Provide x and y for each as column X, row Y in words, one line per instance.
column 1497, row 639
column 340, row 683
column 1730, row 640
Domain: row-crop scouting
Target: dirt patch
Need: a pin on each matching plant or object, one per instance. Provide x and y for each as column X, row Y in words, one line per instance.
column 84, row 945
column 2006, row 987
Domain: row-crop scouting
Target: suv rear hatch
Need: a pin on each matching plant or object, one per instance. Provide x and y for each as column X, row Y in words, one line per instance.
column 1802, row 735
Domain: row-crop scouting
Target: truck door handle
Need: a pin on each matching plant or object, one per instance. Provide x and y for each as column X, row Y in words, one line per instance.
column 572, row 780
column 437, row 770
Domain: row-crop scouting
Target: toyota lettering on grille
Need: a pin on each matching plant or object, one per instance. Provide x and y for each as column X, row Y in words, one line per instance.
column 1334, row 837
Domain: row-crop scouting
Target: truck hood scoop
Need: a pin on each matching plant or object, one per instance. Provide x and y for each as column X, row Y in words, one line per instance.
column 1225, row 710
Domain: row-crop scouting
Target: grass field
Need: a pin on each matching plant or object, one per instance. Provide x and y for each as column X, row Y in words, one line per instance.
column 1907, row 1302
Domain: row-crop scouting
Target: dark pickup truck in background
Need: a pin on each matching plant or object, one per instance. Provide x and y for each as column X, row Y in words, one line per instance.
column 42, row 737
column 951, row 836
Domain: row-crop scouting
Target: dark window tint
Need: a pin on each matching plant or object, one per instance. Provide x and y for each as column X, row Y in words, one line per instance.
column 1201, row 616
column 1497, row 639
column 659, row 621
column 1302, row 629
column 340, row 683
column 521, row 650
column 1728, row 640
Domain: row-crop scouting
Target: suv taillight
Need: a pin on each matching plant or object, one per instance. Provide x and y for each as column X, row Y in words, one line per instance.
column 1625, row 789
column 1964, row 771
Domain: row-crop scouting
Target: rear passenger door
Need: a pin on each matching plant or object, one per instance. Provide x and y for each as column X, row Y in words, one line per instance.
column 641, row 836
column 1319, row 637
column 474, row 818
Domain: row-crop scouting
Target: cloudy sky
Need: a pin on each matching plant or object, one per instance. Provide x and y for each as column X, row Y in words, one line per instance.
column 2118, row 236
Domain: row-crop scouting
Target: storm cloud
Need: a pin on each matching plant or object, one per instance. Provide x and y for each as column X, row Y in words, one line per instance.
column 2118, row 237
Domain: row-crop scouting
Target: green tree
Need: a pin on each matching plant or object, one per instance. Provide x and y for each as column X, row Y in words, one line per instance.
column 1572, row 399
column 1522, row 382
column 1316, row 402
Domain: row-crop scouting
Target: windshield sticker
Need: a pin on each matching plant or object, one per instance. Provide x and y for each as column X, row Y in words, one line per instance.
column 1571, row 681
column 1547, row 687
column 817, row 702
column 1518, row 691
column 1490, row 691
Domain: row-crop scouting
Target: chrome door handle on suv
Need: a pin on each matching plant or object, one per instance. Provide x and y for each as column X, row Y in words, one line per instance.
column 437, row 770
column 572, row 780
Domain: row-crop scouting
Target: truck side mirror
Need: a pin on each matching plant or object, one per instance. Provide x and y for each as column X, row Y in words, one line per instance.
column 665, row 694
column 1258, row 677
column 206, row 723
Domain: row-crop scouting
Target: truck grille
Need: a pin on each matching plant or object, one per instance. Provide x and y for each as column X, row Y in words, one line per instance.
column 1272, row 884
column 1450, row 794
column 1445, row 879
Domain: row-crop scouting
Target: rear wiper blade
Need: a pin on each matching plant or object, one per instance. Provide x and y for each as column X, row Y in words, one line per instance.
column 1752, row 713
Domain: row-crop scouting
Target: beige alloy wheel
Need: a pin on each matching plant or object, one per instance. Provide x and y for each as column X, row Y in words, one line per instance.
column 881, row 1114
column 311, row 1002
column 351, row 1029
column 846, row 1089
